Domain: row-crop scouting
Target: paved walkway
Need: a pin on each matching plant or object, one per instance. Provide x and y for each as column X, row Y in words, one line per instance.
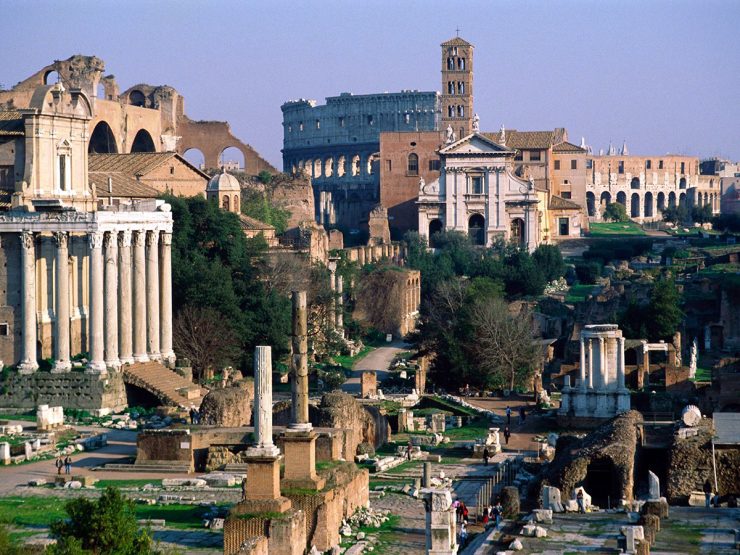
column 698, row 530
column 378, row 360
column 409, row 535
column 522, row 435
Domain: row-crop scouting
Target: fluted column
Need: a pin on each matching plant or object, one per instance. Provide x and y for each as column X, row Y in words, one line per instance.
column 28, row 363
column 582, row 369
column 111, row 300
column 96, row 363
column 263, row 404
column 125, row 345
column 61, row 307
column 590, row 362
column 165, row 293
column 139, row 297
column 152, row 294
column 620, row 363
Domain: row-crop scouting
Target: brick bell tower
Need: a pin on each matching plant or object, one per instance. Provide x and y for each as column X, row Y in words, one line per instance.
column 457, row 86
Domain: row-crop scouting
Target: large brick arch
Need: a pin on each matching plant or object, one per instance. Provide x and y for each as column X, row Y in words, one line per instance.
column 211, row 138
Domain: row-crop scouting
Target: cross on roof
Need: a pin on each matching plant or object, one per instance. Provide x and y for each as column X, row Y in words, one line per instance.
column 457, row 31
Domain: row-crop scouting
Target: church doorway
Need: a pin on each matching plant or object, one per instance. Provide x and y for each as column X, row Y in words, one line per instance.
column 517, row 231
column 435, row 227
column 477, row 229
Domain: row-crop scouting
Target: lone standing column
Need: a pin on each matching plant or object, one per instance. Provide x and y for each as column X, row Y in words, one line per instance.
column 61, row 309
column 124, row 298
column 111, row 300
column 333, row 286
column 152, row 294
column 165, row 294
column 139, row 285
column 340, row 305
column 263, row 404
column 582, row 369
column 300, row 361
column 95, row 328
column 28, row 363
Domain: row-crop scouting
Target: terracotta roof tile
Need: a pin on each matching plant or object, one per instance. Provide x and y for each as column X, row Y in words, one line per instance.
column 11, row 124
column 568, row 147
column 122, row 186
column 456, row 41
column 138, row 163
column 251, row 224
column 559, row 203
column 525, row 139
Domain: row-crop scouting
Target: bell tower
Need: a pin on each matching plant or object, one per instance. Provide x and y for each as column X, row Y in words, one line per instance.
column 457, row 86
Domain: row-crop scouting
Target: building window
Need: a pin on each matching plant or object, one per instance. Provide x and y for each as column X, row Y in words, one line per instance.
column 388, row 165
column 450, row 63
column 660, row 164
column 300, row 126
column 370, row 120
column 534, row 156
column 648, row 164
column 434, row 165
column 461, row 111
column 318, row 124
column 461, row 63
column 564, row 226
column 566, row 194
column 683, row 167
column 518, row 155
column 589, row 164
column 63, row 172
column 460, row 87
column 574, row 164
column 450, row 87
column 341, row 121
column 407, row 118
column 476, row 185
column 621, row 166
column 290, row 129
column 557, row 164
column 413, row 167
column 4, row 329
column 450, row 111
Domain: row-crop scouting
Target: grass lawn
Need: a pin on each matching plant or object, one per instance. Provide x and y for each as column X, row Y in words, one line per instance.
column 610, row 229
column 385, row 534
column 477, row 428
column 26, row 417
column 348, row 362
column 578, row 293
column 403, row 467
column 703, row 374
column 102, row 484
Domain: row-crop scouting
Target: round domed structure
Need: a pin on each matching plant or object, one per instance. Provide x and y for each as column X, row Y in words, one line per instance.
column 224, row 188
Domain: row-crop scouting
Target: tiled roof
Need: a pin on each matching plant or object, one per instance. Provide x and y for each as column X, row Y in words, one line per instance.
column 528, row 139
column 250, row 224
column 11, row 124
column 568, row 147
column 457, row 41
column 137, row 163
column 121, row 185
column 560, row 203
column 5, row 199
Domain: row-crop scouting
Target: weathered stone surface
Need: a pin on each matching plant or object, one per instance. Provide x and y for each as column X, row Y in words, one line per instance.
column 658, row 507
column 654, row 485
column 510, row 501
column 230, row 407
column 340, row 410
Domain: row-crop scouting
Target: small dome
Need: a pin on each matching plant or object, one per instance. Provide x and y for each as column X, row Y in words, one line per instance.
column 222, row 182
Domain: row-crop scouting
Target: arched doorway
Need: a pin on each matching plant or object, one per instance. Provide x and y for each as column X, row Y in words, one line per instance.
column 591, row 204
column 435, row 227
column 661, row 201
column 195, row 157
column 602, row 483
column 622, row 198
column 517, row 231
column 477, row 229
column 682, row 199
column 102, row 140
column 648, row 210
column 635, row 206
column 604, row 201
column 672, row 199
column 143, row 142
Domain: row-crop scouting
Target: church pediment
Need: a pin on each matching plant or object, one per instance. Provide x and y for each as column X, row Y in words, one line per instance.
column 475, row 144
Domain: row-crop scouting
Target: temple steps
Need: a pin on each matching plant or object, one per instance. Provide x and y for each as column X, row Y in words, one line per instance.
column 168, row 386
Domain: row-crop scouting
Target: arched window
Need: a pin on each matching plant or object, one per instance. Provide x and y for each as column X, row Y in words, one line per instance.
column 461, row 63
column 236, row 203
column 460, row 87
column 461, row 111
column 450, row 87
column 64, row 169
column 517, row 231
column 356, row 165
column 225, row 204
column 477, row 229
column 450, row 111
column 450, row 63
column 413, row 166
column 635, row 183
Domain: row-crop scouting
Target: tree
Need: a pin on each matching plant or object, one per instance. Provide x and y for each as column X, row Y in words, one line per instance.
column 549, row 259
column 664, row 311
column 205, row 337
column 504, row 344
column 702, row 214
column 675, row 214
column 106, row 526
column 615, row 212
column 257, row 204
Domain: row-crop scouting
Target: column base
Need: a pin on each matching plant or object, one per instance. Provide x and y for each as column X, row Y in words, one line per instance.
column 141, row 358
column 299, row 427
column 155, row 356
column 126, row 360
column 61, row 366
column 28, row 367
column 168, row 359
column 96, row 368
column 300, row 460
column 113, row 364
column 263, row 479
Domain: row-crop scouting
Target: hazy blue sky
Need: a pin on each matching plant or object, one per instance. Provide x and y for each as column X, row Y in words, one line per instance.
column 663, row 75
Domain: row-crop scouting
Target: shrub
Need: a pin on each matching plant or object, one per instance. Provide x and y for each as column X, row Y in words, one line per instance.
column 588, row 272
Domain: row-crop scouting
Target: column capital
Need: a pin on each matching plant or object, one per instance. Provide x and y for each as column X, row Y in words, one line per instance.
column 124, row 238
column 110, row 240
column 95, row 239
column 27, row 239
column 61, row 238
column 152, row 238
column 138, row 237
column 166, row 238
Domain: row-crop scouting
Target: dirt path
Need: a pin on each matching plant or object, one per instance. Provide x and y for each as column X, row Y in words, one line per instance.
column 379, row 360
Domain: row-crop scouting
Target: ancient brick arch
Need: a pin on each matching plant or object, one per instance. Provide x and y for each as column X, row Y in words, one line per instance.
column 212, row 138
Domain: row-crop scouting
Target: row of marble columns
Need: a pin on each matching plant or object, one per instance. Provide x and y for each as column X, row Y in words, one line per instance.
column 412, row 296
column 130, row 300
column 588, row 375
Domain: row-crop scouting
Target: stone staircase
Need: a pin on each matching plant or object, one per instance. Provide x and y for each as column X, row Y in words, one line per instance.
column 168, row 386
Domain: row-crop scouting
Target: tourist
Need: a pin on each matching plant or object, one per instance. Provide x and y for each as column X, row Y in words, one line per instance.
column 463, row 534
column 192, row 414
column 497, row 511
column 408, row 451
column 68, row 465
column 59, row 464
column 507, row 434
column 486, row 516
column 508, row 415
column 486, row 454
column 464, row 513
column 458, row 511
column 522, row 415
column 708, row 493
column 579, row 499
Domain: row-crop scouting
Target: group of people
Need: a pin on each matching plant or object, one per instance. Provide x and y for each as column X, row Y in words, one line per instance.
column 492, row 515
column 66, row 464
column 194, row 415
column 462, row 520
column 522, row 415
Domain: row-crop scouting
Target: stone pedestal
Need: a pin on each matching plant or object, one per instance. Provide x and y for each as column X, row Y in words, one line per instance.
column 441, row 525
column 262, row 491
column 623, row 401
column 300, row 460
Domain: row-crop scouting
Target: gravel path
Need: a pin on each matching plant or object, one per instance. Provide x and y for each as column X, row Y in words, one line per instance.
column 379, row 360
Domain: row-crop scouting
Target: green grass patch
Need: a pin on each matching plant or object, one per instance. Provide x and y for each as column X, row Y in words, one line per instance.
column 102, row 484
column 442, row 404
column 348, row 362
column 578, row 293
column 26, row 416
column 703, row 374
column 31, row 512
column 183, row 517
column 382, row 482
column 385, row 534
column 478, row 428
column 404, row 467
column 610, row 229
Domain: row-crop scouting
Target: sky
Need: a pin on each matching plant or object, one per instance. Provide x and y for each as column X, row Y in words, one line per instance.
column 662, row 75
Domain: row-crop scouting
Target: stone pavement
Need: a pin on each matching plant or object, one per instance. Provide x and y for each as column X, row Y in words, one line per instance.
column 698, row 530
column 409, row 535
column 378, row 360
column 195, row 542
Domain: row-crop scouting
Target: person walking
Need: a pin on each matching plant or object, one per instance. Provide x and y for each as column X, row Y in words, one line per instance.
column 463, row 534
column 508, row 415
column 68, row 465
column 486, row 455
column 522, row 415
column 507, row 434
column 708, row 493
column 59, row 464
column 408, row 451
column 579, row 499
